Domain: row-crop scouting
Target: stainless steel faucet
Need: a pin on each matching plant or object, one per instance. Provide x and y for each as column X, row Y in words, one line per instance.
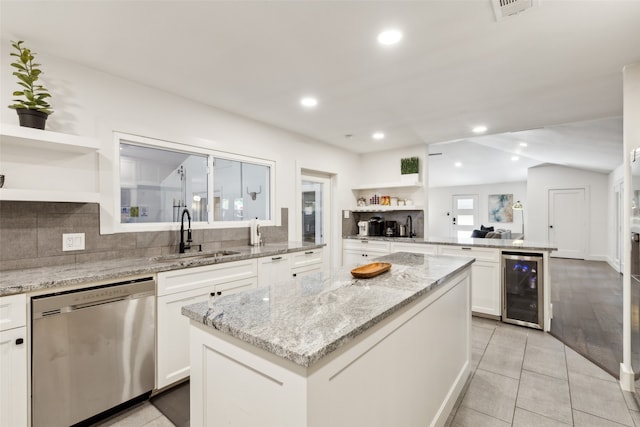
column 184, row 245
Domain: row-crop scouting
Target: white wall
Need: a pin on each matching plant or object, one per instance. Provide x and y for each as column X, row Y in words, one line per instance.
column 545, row 177
column 440, row 203
column 89, row 102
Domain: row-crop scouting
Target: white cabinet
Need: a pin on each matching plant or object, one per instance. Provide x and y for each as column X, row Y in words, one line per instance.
column 13, row 360
column 274, row 269
column 178, row 288
column 416, row 248
column 360, row 251
column 485, row 277
column 307, row 262
column 71, row 159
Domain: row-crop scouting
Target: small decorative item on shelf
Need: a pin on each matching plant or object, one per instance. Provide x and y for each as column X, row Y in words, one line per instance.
column 362, row 202
column 33, row 108
column 400, row 202
column 385, row 200
column 409, row 170
column 374, row 200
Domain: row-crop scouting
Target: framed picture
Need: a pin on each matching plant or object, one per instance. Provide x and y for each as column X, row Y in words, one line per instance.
column 500, row 208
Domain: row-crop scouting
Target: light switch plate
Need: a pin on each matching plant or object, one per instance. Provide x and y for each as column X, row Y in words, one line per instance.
column 72, row 242
column 346, row 214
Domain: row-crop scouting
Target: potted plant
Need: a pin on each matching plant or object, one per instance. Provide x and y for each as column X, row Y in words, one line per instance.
column 409, row 168
column 32, row 106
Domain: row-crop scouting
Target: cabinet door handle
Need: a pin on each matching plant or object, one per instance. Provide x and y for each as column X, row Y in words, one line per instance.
column 276, row 258
column 19, row 341
column 308, row 252
column 295, row 274
column 466, row 249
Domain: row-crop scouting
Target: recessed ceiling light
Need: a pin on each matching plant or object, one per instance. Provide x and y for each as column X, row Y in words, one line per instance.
column 480, row 129
column 308, row 101
column 515, row 158
column 458, row 164
column 378, row 135
column 389, row 37
column 523, row 144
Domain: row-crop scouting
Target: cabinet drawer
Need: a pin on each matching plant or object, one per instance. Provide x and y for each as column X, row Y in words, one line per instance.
column 237, row 286
column 302, row 259
column 13, row 311
column 480, row 254
column 365, row 245
column 418, row 248
column 197, row 277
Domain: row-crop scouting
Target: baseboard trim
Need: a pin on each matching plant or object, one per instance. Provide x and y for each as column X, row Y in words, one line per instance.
column 626, row 378
column 613, row 264
column 603, row 258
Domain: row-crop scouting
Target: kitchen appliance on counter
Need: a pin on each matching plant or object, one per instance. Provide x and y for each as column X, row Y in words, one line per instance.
column 363, row 228
column 391, row 229
column 92, row 350
column 376, row 226
column 402, row 232
column 522, row 286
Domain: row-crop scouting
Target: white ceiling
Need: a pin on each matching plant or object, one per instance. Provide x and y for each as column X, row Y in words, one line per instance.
column 455, row 68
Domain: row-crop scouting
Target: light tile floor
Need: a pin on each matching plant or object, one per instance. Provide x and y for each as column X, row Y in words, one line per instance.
column 523, row 377
column 520, row 377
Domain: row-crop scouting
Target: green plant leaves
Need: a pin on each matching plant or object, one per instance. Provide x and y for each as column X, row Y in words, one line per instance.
column 27, row 73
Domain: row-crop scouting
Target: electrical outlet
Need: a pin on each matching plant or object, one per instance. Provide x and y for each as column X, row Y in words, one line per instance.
column 73, row 242
column 346, row 214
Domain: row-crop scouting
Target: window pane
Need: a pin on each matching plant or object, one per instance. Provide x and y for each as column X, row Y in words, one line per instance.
column 241, row 191
column 465, row 219
column 465, row 203
column 156, row 184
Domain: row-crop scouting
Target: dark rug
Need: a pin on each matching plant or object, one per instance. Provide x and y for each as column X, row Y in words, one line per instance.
column 174, row 404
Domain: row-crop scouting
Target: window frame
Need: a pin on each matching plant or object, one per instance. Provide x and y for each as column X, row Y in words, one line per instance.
column 141, row 141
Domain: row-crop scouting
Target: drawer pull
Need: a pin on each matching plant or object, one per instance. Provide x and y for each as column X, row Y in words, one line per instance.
column 308, row 252
column 466, row 249
column 19, row 341
column 276, row 258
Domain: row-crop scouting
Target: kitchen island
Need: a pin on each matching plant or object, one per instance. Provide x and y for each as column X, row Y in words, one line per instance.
column 333, row 350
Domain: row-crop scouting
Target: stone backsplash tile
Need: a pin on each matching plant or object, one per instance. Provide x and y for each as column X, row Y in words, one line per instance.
column 31, row 236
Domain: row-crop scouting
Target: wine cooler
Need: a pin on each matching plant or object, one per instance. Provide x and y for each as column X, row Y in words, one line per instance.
column 522, row 285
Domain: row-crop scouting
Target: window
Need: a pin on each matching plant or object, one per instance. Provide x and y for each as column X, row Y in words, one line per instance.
column 158, row 180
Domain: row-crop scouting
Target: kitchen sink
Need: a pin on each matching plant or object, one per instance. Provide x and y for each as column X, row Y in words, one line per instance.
column 196, row 255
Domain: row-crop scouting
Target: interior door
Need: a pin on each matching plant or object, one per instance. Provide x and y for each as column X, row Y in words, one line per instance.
column 316, row 212
column 465, row 215
column 567, row 225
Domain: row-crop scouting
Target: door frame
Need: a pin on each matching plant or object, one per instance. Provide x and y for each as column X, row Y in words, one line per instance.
column 618, row 195
column 587, row 217
column 454, row 216
column 330, row 219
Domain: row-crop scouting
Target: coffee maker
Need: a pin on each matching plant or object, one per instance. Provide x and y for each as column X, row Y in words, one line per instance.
column 376, row 226
column 391, row 228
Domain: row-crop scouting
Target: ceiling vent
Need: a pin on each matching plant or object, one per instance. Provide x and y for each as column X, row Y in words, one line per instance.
column 505, row 8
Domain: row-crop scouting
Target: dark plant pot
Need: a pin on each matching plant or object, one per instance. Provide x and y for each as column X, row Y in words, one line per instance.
column 31, row 118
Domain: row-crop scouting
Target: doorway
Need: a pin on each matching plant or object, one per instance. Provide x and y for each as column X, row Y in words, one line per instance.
column 465, row 215
column 567, row 226
column 315, row 212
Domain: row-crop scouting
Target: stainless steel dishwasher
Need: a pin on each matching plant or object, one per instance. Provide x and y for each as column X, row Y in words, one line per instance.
column 92, row 350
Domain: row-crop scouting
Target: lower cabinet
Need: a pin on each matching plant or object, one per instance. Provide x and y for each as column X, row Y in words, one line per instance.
column 274, row 269
column 485, row 277
column 13, row 360
column 307, row 262
column 355, row 252
column 195, row 285
column 416, row 248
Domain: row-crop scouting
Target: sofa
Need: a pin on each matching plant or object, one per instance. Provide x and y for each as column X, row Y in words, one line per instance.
column 491, row 233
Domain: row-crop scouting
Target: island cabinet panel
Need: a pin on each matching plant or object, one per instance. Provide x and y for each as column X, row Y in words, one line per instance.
column 407, row 370
column 486, row 295
column 275, row 268
column 361, row 251
column 13, row 361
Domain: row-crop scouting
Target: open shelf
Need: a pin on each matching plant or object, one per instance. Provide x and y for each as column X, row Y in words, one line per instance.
column 48, row 196
column 47, row 139
column 384, row 208
column 387, row 185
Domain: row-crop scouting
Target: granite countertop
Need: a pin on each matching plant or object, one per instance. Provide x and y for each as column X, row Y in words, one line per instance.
column 516, row 245
column 305, row 319
column 33, row 279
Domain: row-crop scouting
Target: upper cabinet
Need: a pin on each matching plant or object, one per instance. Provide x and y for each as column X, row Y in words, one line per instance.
column 41, row 165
